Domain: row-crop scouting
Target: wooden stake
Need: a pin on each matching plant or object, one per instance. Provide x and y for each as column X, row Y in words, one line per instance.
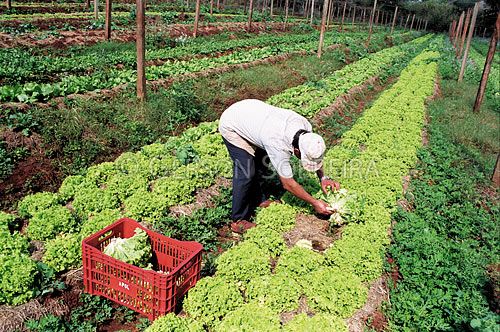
column 250, row 10
column 376, row 19
column 312, row 12
column 96, row 9
column 495, row 178
column 462, row 37
column 141, row 50
column 218, row 5
column 330, row 10
column 353, row 16
column 425, row 27
column 196, row 18
column 9, row 4
column 271, row 11
column 394, row 19
column 286, row 14
column 484, row 33
column 407, row 19
column 212, row 7
column 364, row 15
column 371, row 23
column 459, row 30
column 412, row 19
column 487, row 65
column 453, row 27
column 343, row 16
column 469, row 38
column 107, row 23
column 323, row 23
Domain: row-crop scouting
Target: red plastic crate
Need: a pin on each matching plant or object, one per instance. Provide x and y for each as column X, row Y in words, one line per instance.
column 148, row 292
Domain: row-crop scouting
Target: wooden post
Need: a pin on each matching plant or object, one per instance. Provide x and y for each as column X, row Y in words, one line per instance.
column 412, row 19
column 353, row 16
column 312, row 12
column 96, row 9
column 323, row 23
column 394, row 19
column 337, row 15
column 286, row 14
column 469, row 38
column 371, row 23
column 487, row 65
column 459, row 30
column 484, row 32
column 250, row 10
column 218, row 5
column 453, row 27
column 425, row 27
column 407, row 19
column 330, row 10
column 87, row 4
column 343, row 16
column 462, row 37
column 376, row 19
column 212, row 7
column 271, row 11
column 495, row 178
column 364, row 15
column 196, row 18
column 141, row 50
column 107, row 24
column 9, row 4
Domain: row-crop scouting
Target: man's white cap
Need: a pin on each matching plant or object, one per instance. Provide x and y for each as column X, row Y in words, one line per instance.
column 312, row 148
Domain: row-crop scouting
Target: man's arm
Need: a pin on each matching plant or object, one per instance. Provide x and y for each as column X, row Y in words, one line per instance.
column 326, row 181
column 296, row 189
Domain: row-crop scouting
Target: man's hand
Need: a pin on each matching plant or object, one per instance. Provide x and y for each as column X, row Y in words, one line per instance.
column 329, row 183
column 321, row 207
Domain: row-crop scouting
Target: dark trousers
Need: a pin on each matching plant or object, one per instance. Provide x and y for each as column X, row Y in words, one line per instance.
column 248, row 172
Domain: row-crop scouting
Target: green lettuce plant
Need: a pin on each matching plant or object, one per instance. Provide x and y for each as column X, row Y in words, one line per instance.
column 250, row 317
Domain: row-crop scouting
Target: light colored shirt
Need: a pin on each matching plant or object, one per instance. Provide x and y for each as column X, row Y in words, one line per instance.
column 251, row 123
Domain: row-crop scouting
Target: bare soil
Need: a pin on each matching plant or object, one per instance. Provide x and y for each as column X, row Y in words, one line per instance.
column 310, row 227
column 370, row 312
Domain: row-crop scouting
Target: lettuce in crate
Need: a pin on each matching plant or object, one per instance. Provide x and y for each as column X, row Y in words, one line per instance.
column 346, row 207
column 135, row 250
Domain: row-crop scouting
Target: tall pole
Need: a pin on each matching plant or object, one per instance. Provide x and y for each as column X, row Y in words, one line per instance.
column 312, row 12
column 9, row 4
column 412, row 19
column 107, row 23
column 141, row 50
column 196, row 18
column 353, row 16
column 407, row 19
column 250, row 10
column 394, row 19
column 459, row 30
column 462, row 37
column 212, row 7
column 343, row 16
column 425, row 27
column 323, row 23
column 371, row 23
column 330, row 10
column 487, row 65
column 286, row 14
column 495, row 178
column 469, row 38
column 96, row 9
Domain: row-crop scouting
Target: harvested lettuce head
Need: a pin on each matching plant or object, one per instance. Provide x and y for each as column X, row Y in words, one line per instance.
column 346, row 207
column 135, row 250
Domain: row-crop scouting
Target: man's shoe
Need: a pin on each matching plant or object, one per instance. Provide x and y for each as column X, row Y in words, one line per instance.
column 268, row 202
column 241, row 226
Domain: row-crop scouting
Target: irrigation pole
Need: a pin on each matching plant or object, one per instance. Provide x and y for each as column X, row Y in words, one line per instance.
column 141, row 50
column 394, row 19
column 487, row 65
column 371, row 23
column 196, row 18
column 323, row 23
column 469, row 38
column 107, row 23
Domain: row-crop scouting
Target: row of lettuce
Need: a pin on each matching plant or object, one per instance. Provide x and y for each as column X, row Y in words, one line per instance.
column 260, row 279
column 111, row 77
column 449, row 237
column 140, row 185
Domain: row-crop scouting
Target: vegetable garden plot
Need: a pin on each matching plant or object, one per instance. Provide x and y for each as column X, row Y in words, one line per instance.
column 334, row 283
column 95, row 198
column 31, row 92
